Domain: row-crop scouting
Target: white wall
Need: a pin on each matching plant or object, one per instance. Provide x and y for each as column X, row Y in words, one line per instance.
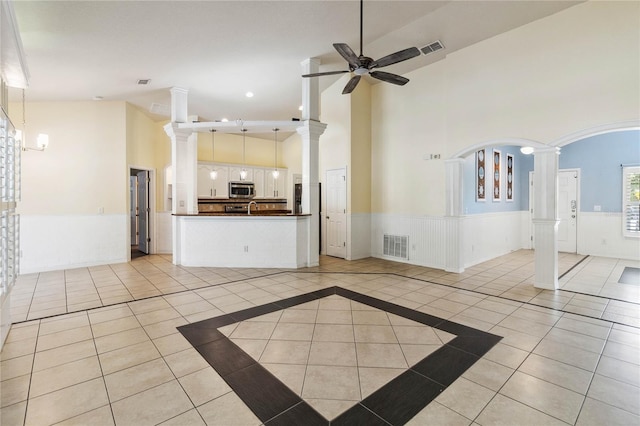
column 74, row 194
column 538, row 82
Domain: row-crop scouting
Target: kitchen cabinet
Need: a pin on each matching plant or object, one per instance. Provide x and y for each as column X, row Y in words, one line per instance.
column 258, row 181
column 265, row 185
column 221, row 182
column 205, row 184
column 234, row 174
column 213, row 188
column 275, row 188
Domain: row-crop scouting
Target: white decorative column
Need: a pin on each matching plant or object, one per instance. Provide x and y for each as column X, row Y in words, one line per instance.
column 454, row 175
column 545, row 217
column 310, row 90
column 310, row 132
column 184, row 162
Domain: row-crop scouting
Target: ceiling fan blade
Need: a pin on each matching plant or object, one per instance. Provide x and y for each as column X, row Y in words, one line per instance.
column 351, row 85
column 319, row 74
column 389, row 78
column 345, row 51
column 396, row 57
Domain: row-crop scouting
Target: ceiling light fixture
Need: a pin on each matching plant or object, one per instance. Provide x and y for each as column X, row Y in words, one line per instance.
column 275, row 172
column 42, row 141
column 214, row 173
column 224, row 120
column 243, row 172
column 249, row 95
column 526, row 150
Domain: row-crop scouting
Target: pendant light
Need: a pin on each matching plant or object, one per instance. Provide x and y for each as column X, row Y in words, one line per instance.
column 275, row 172
column 214, row 173
column 243, row 172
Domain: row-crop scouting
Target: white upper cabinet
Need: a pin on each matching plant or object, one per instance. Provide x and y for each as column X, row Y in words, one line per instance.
column 213, row 188
column 205, row 184
column 234, row 174
column 275, row 187
column 262, row 177
column 221, row 182
column 258, row 181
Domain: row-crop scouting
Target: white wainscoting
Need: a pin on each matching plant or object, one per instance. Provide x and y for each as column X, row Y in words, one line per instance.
column 164, row 233
column 359, row 227
column 72, row 241
column 487, row 236
column 433, row 240
column 600, row 234
column 427, row 237
column 243, row 241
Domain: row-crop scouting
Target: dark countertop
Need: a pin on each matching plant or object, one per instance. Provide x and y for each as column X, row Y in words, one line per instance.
column 240, row 200
column 256, row 214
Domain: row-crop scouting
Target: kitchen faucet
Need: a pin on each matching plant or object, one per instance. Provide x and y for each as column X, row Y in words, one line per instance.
column 249, row 207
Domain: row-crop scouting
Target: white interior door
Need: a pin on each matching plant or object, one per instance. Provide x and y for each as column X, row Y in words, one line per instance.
column 567, row 210
column 336, row 213
column 143, row 211
column 568, row 183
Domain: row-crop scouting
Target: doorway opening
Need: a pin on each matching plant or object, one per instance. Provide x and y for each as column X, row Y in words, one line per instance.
column 140, row 201
column 568, row 202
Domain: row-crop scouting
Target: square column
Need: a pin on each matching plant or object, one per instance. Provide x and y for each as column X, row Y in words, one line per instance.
column 310, row 186
column 310, row 91
column 454, row 177
column 310, row 133
column 545, row 217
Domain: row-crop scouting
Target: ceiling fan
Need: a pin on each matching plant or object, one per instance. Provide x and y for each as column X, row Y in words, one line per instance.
column 363, row 65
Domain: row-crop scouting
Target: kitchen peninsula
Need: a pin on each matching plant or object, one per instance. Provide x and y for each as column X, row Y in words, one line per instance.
column 261, row 240
column 238, row 240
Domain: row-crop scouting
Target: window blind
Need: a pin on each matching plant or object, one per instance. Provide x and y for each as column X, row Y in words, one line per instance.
column 631, row 201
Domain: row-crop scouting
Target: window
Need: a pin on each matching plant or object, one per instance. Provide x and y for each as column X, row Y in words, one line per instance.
column 631, row 201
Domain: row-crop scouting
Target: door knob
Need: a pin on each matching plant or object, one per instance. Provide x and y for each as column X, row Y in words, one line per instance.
column 573, row 216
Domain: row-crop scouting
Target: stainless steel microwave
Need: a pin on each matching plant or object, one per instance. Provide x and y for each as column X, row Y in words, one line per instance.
column 241, row 190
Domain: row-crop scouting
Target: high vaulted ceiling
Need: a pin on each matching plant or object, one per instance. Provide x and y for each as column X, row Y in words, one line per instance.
column 219, row 50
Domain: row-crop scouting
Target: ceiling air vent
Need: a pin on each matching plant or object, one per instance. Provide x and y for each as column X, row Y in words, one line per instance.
column 144, row 81
column 160, row 109
column 433, row 47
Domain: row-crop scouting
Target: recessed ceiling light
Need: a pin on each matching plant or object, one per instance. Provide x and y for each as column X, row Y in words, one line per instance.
column 249, row 95
column 144, row 81
column 224, row 120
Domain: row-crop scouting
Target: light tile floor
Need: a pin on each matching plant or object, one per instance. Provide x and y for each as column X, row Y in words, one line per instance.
column 566, row 357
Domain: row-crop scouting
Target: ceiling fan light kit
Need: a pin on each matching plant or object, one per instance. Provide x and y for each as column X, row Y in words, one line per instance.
column 363, row 65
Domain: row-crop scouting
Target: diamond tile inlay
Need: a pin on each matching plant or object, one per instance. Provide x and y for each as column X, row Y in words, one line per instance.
column 336, row 354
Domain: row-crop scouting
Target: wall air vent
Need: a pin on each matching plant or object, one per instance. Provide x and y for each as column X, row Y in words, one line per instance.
column 396, row 246
column 432, row 47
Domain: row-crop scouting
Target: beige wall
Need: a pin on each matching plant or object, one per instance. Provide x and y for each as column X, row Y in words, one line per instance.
column 334, row 142
column 228, row 149
column 84, row 168
column 148, row 147
column 359, row 176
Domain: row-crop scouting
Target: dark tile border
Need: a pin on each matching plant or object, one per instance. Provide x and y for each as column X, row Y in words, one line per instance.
column 394, row 404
